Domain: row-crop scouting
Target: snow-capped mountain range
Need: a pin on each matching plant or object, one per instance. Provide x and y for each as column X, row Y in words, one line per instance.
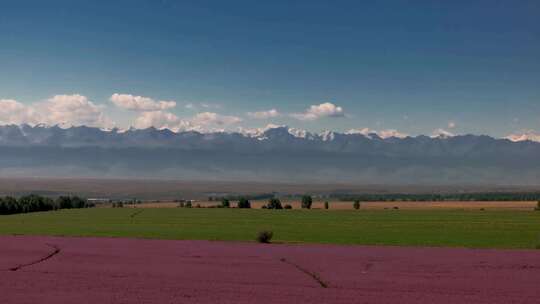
column 276, row 153
column 42, row 135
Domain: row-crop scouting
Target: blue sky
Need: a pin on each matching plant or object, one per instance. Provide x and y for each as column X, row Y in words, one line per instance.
column 412, row 66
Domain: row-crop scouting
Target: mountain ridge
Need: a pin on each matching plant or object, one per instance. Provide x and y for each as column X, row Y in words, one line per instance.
column 12, row 135
column 274, row 154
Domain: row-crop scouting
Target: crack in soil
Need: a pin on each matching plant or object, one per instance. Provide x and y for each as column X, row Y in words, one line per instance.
column 43, row 259
column 313, row 275
column 367, row 268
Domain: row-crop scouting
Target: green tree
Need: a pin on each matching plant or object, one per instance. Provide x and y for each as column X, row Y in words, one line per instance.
column 34, row 203
column 3, row 207
column 274, row 203
column 12, row 205
column 225, row 203
column 64, row 202
column 244, row 203
column 307, row 201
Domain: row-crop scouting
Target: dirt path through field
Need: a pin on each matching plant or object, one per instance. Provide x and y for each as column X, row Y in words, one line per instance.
column 106, row 270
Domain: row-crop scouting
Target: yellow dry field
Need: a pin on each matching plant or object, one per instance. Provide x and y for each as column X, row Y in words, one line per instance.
column 339, row 205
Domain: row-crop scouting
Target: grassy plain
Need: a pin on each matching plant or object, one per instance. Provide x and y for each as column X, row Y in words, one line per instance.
column 454, row 228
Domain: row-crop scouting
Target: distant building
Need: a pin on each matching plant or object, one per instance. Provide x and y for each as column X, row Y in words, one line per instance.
column 99, row 200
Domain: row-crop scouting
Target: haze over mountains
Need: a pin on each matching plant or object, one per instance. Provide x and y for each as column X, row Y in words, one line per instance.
column 277, row 154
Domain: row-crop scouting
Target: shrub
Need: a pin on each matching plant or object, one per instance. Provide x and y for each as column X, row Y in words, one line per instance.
column 225, row 203
column 244, row 203
column 274, row 203
column 265, row 236
column 188, row 205
column 396, row 208
column 307, row 201
column 537, row 206
column 287, row 206
column 356, row 204
column 326, row 206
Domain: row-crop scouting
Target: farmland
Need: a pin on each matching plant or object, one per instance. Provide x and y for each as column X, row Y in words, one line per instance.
column 445, row 227
column 158, row 253
column 105, row 270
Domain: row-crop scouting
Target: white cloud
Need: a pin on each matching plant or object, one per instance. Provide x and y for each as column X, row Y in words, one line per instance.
column 391, row 133
column 381, row 133
column 202, row 122
column 74, row 110
column 255, row 132
column 139, row 103
column 210, row 118
column 14, row 112
column 524, row 135
column 441, row 133
column 315, row 112
column 204, row 105
column 210, row 105
column 264, row 114
column 157, row 119
column 451, row 125
column 64, row 110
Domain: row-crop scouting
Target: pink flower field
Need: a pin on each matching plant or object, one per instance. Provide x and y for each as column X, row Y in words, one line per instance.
column 50, row 270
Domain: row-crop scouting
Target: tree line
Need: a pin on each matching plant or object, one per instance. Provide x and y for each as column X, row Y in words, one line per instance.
column 253, row 197
column 479, row 196
column 273, row 203
column 36, row 203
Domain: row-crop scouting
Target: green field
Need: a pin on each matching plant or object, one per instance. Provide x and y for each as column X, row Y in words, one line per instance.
column 481, row 229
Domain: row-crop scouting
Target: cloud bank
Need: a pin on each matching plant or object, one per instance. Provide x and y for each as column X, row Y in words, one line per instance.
column 322, row 110
column 381, row 133
column 68, row 110
column 201, row 122
column 524, row 135
column 264, row 114
column 139, row 103
column 64, row 110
